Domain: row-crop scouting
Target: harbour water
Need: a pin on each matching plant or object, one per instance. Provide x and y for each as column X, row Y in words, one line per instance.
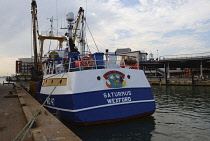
column 183, row 113
column 2, row 80
column 23, row 83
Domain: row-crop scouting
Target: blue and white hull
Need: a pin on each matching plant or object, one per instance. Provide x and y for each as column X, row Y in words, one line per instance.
column 100, row 95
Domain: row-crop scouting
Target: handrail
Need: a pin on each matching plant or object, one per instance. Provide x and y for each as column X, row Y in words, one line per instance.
column 59, row 65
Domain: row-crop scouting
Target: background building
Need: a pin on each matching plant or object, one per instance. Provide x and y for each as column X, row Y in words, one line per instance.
column 24, row 65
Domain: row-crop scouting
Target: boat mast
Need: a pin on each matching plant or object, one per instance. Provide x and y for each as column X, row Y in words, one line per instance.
column 82, row 41
column 80, row 19
column 34, row 17
column 72, row 36
column 80, row 14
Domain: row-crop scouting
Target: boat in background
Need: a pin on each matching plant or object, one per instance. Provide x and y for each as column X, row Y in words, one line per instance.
column 92, row 88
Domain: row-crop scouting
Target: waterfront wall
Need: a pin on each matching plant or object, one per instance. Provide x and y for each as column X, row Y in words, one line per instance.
column 179, row 81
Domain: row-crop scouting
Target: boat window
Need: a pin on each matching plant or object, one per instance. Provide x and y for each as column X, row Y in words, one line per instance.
column 99, row 78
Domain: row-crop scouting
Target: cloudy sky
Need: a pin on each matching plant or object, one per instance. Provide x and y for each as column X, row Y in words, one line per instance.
column 170, row 26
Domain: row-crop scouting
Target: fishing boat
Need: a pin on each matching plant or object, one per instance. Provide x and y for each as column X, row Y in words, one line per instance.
column 92, row 88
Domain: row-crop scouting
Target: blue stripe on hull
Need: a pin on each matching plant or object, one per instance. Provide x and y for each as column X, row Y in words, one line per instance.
column 102, row 105
column 108, row 113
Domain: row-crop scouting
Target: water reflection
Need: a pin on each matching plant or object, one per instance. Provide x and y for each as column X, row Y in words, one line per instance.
column 25, row 84
column 182, row 113
column 136, row 129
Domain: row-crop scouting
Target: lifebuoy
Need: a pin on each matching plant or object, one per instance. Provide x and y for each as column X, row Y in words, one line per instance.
column 86, row 61
column 134, row 66
column 122, row 64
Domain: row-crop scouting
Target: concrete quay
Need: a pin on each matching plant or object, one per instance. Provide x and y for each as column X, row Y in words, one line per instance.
column 18, row 108
column 179, row 81
column 12, row 118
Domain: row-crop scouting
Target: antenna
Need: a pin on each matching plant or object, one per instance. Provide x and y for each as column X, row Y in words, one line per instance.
column 57, row 15
column 51, row 27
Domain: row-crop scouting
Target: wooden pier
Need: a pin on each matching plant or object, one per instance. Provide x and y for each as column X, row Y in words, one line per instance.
column 18, row 107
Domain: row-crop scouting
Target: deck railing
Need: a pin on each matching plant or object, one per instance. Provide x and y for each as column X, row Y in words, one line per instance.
column 67, row 65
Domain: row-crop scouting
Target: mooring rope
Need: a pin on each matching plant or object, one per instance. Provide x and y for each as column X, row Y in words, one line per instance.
column 38, row 112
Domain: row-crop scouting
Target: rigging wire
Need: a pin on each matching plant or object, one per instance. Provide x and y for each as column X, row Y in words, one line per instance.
column 57, row 14
column 88, row 48
column 86, row 8
column 91, row 35
column 57, row 18
column 85, row 34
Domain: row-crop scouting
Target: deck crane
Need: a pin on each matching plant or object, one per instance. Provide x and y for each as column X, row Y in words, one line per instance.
column 72, row 37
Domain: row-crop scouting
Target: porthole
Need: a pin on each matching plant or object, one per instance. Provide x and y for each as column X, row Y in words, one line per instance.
column 98, row 78
column 128, row 76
